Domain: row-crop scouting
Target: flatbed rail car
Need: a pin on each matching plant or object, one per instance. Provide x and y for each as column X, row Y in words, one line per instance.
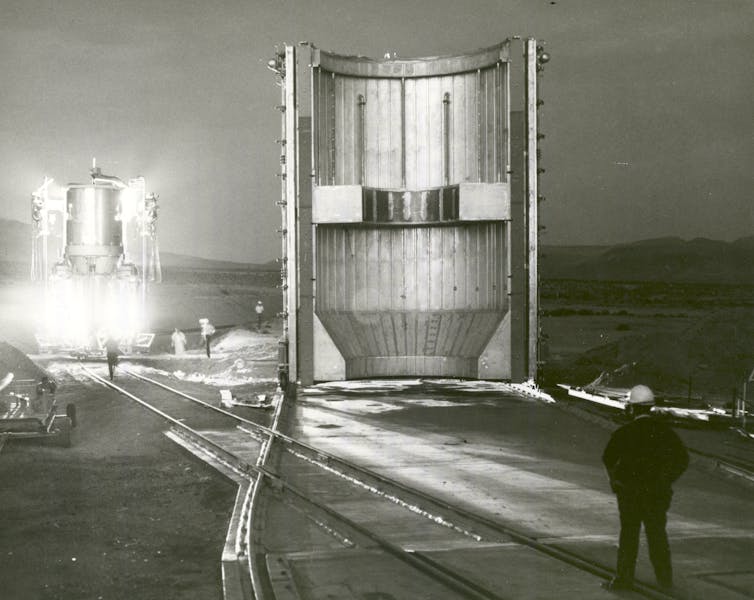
column 29, row 409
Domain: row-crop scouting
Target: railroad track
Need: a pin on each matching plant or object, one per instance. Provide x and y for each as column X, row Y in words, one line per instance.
column 297, row 465
column 209, row 428
column 732, row 466
column 472, row 525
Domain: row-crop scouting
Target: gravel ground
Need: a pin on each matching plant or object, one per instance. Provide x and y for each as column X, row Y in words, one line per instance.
column 123, row 513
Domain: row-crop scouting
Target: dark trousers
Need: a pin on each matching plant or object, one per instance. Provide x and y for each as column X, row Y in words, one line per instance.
column 112, row 360
column 206, row 341
column 648, row 508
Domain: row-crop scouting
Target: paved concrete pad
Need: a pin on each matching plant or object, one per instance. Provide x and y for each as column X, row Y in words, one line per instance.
column 520, row 463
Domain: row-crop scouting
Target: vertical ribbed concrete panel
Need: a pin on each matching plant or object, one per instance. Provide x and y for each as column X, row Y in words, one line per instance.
column 411, row 301
column 411, row 288
column 389, row 133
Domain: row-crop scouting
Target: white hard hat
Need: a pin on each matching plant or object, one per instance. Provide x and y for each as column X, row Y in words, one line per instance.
column 203, row 320
column 259, row 302
column 641, row 394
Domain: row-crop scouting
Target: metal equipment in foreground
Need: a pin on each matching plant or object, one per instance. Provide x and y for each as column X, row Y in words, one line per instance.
column 94, row 251
column 28, row 409
column 410, row 213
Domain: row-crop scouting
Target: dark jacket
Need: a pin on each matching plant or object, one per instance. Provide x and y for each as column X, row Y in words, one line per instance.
column 645, row 455
column 111, row 347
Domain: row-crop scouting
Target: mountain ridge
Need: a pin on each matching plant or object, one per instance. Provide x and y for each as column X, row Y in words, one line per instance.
column 15, row 247
column 667, row 259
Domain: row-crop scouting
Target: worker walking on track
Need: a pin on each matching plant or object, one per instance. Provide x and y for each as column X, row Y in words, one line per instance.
column 643, row 458
column 112, row 350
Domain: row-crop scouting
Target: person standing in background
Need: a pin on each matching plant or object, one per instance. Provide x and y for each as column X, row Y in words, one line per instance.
column 178, row 341
column 259, row 309
column 207, row 330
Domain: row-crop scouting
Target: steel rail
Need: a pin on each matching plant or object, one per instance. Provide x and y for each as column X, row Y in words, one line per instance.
column 525, row 539
column 564, row 556
column 227, row 458
column 220, row 454
column 517, row 536
column 439, row 573
column 442, row 574
column 737, row 469
column 188, row 397
column 323, row 457
column 741, row 464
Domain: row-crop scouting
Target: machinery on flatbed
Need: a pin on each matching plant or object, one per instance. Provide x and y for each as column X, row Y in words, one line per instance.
column 29, row 409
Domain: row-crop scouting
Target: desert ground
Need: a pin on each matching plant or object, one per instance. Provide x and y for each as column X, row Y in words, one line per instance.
column 124, row 513
column 687, row 341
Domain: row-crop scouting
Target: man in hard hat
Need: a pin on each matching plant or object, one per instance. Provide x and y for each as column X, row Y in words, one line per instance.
column 643, row 458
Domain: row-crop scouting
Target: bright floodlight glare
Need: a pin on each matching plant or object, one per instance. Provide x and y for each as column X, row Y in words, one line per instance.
column 77, row 312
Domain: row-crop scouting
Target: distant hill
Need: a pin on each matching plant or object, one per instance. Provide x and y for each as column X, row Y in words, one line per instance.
column 669, row 259
column 746, row 243
column 15, row 247
column 554, row 260
column 182, row 261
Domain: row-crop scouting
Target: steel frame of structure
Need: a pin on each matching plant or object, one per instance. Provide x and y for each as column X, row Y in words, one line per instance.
column 302, row 333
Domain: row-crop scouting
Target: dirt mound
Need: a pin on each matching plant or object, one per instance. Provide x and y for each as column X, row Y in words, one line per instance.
column 711, row 359
column 255, row 345
column 239, row 357
column 14, row 361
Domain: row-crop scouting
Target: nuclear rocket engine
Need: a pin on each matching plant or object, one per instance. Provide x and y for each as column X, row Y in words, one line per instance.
column 94, row 252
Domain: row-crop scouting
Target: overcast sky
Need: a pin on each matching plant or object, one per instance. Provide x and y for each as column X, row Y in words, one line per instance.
column 648, row 106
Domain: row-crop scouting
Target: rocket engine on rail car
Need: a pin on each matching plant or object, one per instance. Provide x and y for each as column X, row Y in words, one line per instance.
column 94, row 250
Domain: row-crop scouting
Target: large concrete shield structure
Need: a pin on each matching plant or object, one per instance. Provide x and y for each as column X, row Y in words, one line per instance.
column 409, row 203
